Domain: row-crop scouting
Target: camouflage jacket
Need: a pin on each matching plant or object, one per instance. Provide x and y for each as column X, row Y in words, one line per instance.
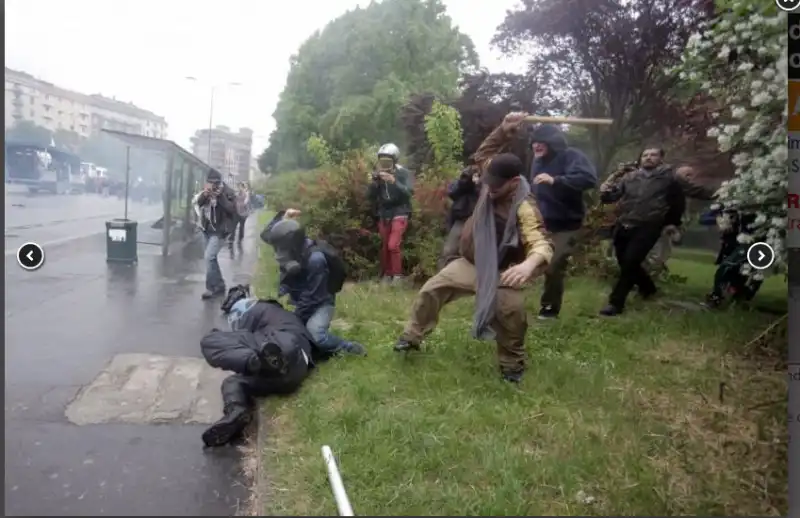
column 645, row 197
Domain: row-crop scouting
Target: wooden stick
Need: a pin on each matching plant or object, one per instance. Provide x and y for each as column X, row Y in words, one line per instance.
column 568, row 120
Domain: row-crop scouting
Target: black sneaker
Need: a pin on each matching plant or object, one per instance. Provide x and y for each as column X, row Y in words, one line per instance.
column 712, row 301
column 405, row 345
column 547, row 313
column 610, row 311
column 229, row 428
column 512, row 376
column 355, row 349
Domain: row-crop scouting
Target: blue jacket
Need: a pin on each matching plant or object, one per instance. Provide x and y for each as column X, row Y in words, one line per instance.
column 561, row 204
column 308, row 290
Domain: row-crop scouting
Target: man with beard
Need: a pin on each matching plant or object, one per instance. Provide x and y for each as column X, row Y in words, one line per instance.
column 645, row 201
column 310, row 274
column 560, row 175
column 504, row 244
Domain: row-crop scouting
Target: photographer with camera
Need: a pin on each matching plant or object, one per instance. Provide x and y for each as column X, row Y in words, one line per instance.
column 464, row 193
column 218, row 217
column 390, row 192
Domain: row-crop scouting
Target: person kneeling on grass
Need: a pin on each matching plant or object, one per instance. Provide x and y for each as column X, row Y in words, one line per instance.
column 270, row 351
column 311, row 273
column 504, row 244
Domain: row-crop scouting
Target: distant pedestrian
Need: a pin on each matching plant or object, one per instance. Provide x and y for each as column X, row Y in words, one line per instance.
column 242, row 209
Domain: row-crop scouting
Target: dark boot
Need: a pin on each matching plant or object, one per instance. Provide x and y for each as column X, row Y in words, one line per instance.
column 405, row 345
column 610, row 311
column 229, row 428
column 512, row 376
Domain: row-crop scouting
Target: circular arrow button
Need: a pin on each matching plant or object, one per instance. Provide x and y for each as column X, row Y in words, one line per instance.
column 760, row 256
column 30, row 256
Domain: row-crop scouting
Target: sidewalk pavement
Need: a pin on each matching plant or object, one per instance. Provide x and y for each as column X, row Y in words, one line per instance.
column 106, row 391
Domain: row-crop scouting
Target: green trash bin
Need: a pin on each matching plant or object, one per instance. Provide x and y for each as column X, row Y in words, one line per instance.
column 121, row 241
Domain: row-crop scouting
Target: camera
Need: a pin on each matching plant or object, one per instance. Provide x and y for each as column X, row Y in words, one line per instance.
column 375, row 176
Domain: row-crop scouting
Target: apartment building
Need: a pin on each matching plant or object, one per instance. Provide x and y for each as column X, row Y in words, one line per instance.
column 230, row 151
column 56, row 108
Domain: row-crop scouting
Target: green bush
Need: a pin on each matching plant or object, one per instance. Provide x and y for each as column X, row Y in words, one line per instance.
column 335, row 208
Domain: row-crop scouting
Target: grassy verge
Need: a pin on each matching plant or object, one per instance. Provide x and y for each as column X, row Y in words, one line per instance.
column 614, row 417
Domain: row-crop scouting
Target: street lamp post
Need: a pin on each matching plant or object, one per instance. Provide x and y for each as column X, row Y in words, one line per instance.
column 211, row 111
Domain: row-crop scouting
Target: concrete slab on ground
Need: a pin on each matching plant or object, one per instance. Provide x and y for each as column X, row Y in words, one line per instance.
column 83, row 335
column 149, row 388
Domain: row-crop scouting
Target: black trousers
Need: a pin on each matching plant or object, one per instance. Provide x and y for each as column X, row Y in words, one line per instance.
column 631, row 246
column 242, row 389
column 242, row 220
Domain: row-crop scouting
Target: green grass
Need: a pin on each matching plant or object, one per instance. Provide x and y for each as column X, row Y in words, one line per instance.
column 614, row 417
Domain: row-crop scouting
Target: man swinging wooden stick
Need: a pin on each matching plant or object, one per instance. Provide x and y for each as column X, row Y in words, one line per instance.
column 559, row 175
column 504, row 245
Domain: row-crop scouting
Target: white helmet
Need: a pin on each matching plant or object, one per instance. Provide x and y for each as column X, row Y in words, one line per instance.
column 389, row 150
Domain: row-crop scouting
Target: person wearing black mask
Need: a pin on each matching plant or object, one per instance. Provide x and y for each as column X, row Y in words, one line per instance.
column 559, row 177
column 308, row 277
column 218, row 217
column 464, row 193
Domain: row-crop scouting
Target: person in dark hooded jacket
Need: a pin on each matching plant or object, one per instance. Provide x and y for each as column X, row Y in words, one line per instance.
column 464, row 193
column 269, row 350
column 559, row 176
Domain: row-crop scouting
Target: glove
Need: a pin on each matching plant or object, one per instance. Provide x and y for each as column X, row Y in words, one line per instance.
column 272, row 360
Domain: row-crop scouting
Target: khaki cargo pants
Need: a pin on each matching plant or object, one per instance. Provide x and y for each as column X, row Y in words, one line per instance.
column 458, row 279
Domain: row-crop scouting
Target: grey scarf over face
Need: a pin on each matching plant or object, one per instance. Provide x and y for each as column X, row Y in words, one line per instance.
column 488, row 256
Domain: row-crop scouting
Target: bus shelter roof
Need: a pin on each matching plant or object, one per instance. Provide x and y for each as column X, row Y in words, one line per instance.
column 158, row 145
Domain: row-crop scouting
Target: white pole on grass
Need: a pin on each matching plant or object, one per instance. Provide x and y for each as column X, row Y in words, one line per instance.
column 339, row 494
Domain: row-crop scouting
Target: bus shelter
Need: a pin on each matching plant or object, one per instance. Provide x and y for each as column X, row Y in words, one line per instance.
column 181, row 175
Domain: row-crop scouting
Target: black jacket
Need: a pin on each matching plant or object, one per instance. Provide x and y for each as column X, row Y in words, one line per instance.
column 464, row 192
column 218, row 213
column 561, row 203
column 650, row 196
column 265, row 325
column 391, row 200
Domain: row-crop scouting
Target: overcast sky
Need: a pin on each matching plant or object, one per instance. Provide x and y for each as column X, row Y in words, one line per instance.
column 141, row 51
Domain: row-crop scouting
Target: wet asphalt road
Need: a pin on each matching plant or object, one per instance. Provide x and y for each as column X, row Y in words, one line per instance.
column 64, row 323
column 49, row 219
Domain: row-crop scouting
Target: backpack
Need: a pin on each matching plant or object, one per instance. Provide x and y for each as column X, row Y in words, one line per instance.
column 337, row 270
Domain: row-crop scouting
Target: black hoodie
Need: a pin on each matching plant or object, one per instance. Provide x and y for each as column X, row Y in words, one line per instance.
column 561, row 203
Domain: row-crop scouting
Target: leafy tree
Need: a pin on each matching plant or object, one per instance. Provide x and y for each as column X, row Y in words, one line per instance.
column 607, row 58
column 443, row 129
column 483, row 102
column 740, row 59
column 348, row 82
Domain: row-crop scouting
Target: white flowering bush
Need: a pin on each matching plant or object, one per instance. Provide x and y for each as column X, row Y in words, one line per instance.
column 740, row 59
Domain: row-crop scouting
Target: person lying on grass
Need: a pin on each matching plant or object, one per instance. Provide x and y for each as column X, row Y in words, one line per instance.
column 504, row 244
column 310, row 276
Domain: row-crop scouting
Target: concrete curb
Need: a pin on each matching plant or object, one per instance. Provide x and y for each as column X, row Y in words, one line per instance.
column 77, row 237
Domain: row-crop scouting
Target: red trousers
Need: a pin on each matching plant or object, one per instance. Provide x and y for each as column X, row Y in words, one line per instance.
column 392, row 232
